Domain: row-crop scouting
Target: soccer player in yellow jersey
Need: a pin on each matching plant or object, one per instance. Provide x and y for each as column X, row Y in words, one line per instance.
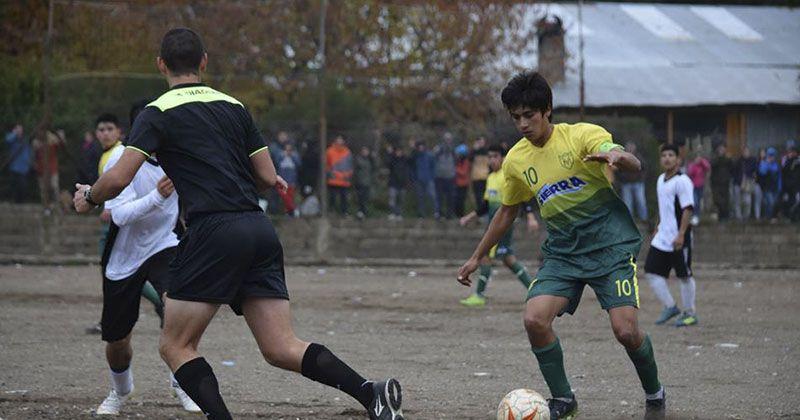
column 504, row 250
column 592, row 239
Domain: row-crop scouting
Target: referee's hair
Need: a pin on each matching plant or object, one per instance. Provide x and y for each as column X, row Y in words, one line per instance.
column 672, row 147
column 182, row 50
column 529, row 89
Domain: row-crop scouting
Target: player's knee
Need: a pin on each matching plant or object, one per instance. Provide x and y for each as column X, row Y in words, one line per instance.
column 626, row 333
column 536, row 324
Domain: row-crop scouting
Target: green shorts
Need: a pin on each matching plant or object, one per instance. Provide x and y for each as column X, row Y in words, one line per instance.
column 619, row 287
column 504, row 247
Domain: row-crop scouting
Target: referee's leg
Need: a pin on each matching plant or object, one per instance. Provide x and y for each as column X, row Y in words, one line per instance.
column 270, row 320
column 184, row 324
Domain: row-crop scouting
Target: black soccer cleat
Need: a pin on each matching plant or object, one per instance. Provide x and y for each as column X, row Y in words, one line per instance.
column 656, row 409
column 387, row 401
column 560, row 409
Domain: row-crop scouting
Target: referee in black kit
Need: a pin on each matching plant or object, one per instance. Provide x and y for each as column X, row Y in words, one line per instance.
column 209, row 147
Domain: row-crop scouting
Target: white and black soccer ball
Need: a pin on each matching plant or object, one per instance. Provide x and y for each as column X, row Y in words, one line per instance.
column 523, row 404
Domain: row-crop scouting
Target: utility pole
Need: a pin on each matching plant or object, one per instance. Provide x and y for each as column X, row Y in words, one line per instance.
column 323, row 118
column 47, row 117
column 323, row 227
column 582, row 83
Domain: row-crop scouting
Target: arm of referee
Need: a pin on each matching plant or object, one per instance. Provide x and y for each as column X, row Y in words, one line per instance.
column 112, row 182
column 264, row 170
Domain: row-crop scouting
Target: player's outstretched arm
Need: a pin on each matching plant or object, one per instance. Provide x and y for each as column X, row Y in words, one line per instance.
column 616, row 159
column 111, row 183
column 500, row 223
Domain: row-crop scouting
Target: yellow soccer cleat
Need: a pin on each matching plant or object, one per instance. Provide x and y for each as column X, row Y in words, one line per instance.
column 474, row 301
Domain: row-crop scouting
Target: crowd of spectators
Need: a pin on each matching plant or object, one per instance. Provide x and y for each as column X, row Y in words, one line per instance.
column 439, row 177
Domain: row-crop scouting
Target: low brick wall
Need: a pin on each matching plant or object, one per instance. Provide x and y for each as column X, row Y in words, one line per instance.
column 30, row 235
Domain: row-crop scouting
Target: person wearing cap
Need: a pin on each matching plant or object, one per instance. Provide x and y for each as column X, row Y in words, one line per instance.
column 462, row 178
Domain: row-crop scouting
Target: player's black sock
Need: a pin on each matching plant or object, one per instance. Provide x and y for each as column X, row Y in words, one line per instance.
column 198, row 381
column 320, row 365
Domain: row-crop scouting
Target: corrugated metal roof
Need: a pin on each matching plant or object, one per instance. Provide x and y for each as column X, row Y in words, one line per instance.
column 678, row 55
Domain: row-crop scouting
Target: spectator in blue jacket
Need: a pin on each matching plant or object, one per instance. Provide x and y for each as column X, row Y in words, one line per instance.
column 19, row 162
column 769, row 178
column 423, row 177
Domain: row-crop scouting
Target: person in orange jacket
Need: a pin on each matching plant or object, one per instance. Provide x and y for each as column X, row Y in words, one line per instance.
column 338, row 173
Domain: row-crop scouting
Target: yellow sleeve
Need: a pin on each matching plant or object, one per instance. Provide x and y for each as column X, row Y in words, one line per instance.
column 594, row 139
column 515, row 190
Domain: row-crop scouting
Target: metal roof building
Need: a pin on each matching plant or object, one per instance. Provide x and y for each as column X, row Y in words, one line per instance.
column 741, row 61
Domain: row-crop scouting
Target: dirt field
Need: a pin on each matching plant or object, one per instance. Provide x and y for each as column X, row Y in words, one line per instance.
column 453, row 362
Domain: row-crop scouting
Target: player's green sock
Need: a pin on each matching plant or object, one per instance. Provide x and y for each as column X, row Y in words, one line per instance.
column 522, row 274
column 645, row 362
column 149, row 293
column 483, row 279
column 551, row 363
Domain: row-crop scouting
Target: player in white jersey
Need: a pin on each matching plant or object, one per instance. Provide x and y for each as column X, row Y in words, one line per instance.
column 145, row 213
column 671, row 247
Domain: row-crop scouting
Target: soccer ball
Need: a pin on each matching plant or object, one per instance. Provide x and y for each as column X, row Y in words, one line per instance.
column 523, row 404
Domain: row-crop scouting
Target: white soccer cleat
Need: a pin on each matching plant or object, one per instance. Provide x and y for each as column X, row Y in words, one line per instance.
column 112, row 404
column 185, row 400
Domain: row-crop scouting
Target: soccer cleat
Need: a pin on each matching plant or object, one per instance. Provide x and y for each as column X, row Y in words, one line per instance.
column 474, row 301
column 667, row 314
column 187, row 403
column 387, row 401
column 560, row 409
column 686, row 320
column 112, row 404
column 656, row 409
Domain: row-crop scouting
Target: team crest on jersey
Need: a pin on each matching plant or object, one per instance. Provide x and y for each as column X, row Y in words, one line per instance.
column 567, row 186
column 566, row 160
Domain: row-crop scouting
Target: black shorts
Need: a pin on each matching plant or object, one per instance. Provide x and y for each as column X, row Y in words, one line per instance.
column 227, row 257
column 121, row 297
column 661, row 262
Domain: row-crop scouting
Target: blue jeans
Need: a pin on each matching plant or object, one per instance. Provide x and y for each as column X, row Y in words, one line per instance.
column 698, row 200
column 770, row 198
column 426, row 193
column 633, row 195
column 445, row 196
column 396, row 200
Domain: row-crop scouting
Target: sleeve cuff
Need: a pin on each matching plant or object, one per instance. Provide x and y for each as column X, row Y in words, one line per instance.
column 607, row 147
column 138, row 150
column 258, row 150
column 158, row 199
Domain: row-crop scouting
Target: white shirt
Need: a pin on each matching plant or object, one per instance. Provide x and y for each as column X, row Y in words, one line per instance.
column 146, row 220
column 674, row 195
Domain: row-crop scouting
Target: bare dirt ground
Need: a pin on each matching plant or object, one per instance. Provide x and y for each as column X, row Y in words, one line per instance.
column 453, row 362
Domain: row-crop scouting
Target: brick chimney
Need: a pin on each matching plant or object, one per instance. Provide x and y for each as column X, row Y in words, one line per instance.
column 552, row 52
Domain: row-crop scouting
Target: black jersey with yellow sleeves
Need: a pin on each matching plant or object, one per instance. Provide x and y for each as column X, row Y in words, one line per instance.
column 204, row 140
column 582, row 212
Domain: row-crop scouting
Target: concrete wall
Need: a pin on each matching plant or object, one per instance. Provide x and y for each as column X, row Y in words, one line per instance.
column 29, row 235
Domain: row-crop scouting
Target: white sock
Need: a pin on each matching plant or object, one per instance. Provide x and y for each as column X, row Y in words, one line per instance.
column 660, row 288
column 657, row 396
column 687, row 294
column 122, row 382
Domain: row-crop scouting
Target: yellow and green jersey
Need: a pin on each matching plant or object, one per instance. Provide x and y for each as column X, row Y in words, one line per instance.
column 105, row 156
column 582, row 212
column 494, row 192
